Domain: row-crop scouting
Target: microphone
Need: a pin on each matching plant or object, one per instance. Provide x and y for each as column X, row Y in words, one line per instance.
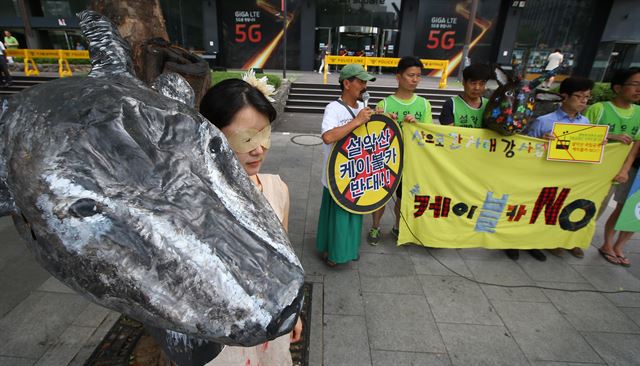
column 365, row 99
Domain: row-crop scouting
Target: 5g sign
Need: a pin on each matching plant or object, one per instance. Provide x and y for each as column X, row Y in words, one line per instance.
column 250, row 32
column 439, row 39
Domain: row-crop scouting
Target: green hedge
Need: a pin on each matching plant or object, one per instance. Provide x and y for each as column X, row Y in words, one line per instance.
column 602, row 92
column 218, row 76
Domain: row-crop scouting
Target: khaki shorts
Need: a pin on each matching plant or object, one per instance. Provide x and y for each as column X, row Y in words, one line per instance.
column 619, row 192
column 622, row 190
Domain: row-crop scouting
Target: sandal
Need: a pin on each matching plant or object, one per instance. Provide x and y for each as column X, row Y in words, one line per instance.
column 329, row 263
column 624, row 261
column 609, row 257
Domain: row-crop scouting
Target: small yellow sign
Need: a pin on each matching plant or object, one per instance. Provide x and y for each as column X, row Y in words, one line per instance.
column 576, row 142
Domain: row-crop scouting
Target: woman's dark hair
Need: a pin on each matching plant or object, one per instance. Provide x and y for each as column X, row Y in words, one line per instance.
column 575, row 84
column 407, row 62
column 621, row 76
column 227, row 97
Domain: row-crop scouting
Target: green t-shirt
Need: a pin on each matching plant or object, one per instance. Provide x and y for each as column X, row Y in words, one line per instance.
column 11, row 42
column 465, row 115
column 419, row 107
column 619, row 120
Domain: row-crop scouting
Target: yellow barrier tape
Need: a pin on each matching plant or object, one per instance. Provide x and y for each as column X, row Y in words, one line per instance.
column 30, row 67
column 345, row 60
column 385, row 62
column 48, row 53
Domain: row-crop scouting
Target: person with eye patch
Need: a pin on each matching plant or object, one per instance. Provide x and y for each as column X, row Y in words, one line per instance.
column 244, row 116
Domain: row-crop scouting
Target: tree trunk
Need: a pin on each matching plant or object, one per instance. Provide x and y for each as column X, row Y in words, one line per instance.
column 141, row 23
column 137, row 21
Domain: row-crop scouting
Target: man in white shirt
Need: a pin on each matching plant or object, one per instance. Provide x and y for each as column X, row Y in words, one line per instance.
column 339, row 231
column 553, row 61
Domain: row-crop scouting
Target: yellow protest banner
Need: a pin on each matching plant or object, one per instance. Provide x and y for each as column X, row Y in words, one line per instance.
column 466, row 187
column 577, row 142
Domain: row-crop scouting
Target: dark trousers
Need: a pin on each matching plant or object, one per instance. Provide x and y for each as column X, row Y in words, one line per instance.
column 5, row 76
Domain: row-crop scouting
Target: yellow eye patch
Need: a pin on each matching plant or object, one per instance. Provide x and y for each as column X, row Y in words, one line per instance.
column 249, row 139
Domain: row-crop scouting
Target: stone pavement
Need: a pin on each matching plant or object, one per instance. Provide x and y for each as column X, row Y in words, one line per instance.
column 400, row 306
column 395, row 306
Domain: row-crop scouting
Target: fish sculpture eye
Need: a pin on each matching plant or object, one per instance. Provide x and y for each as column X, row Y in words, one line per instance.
column 509, row 93
column 84, row 207
column 215, row 144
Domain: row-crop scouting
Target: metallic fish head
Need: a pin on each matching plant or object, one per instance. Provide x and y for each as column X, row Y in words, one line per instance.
column 136, row 201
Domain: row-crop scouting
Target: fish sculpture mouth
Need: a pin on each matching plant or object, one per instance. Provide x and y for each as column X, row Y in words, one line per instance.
column 136, row 201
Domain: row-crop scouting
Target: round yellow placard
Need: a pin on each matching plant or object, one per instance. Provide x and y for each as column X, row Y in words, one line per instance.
column 365, row 167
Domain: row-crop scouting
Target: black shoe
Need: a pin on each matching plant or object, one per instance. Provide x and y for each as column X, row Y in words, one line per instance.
column 537, row 254
column 513, row 254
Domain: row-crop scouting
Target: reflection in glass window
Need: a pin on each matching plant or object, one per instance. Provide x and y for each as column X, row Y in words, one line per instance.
column 549, row 24
column 63, row 8
column 376, row 13
column 9, row 8
column 184, row 23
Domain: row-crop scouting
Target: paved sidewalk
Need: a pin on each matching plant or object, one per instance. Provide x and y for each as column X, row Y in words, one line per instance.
column 399, row 306
column 395, row 306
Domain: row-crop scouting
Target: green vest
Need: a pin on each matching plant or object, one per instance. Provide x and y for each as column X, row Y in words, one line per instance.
column 417, row 106
column 618, row 124
column 466, row 116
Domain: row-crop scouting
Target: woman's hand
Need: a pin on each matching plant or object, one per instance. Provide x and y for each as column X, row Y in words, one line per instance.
column 296, row 333
column 549, row 136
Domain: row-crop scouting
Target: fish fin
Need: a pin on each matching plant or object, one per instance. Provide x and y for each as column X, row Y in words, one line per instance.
column 109, row 53
column 174, row 86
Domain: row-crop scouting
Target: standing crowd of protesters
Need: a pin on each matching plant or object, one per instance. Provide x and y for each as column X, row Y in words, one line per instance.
column 339, row 231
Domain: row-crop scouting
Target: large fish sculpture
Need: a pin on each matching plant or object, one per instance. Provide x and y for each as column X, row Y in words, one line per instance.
column 511, row 107
column 135, row 200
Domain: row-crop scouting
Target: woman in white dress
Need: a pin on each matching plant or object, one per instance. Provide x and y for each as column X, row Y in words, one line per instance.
column 244, row 114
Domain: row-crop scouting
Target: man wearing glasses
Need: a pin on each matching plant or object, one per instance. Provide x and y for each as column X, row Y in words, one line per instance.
column 623, row 118
column 576, row 92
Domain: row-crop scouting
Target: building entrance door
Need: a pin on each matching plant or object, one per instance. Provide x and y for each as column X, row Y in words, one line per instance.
column 358, row 41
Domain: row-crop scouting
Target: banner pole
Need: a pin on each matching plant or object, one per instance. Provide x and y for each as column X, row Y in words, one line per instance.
column 285, row 19
column 467, row 38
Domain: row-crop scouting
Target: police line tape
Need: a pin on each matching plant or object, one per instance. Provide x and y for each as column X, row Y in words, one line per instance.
column 30, row 67
column 386, row 62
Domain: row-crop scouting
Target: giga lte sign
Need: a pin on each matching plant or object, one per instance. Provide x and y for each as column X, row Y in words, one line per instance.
column 246, row 27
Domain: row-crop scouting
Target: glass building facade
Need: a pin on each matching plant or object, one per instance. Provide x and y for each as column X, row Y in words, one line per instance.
column 596, row 36
column 546, row 25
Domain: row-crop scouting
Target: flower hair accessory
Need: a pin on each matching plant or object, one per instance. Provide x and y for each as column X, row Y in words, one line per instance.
column 260, row 84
